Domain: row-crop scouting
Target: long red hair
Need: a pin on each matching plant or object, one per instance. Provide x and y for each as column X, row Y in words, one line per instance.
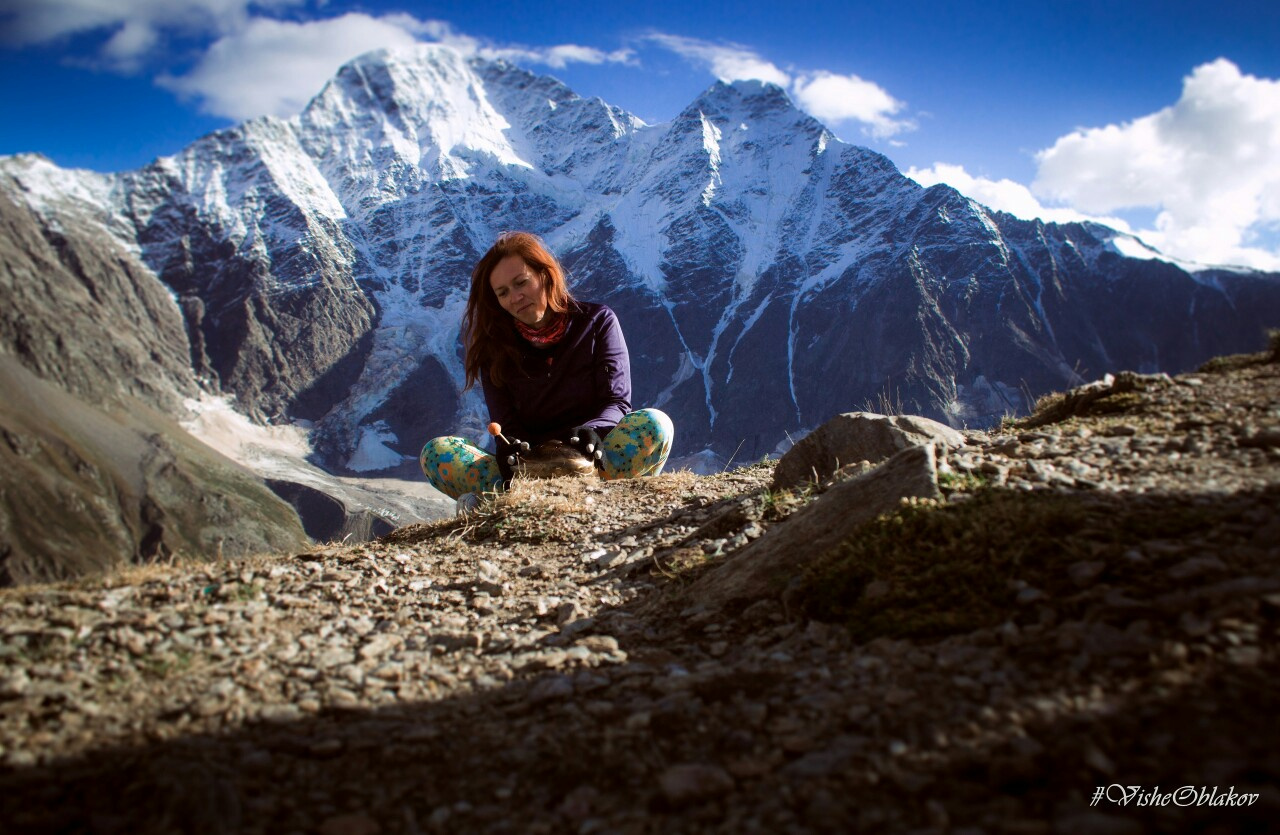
column 487, row 328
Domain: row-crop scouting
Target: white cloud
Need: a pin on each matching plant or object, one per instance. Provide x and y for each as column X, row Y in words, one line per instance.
column 255, row 65
column 275, row 67
column 842, row 98
column 728, row 62
column 125, row 49
column 135, row 26
column 557, row 57
column 1210, row 165
column 1004, row 195
column 565, row 54
column 439, row 31
column 830, row 97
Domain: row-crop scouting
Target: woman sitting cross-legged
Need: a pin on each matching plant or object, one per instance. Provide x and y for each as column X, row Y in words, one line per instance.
column 552, row 369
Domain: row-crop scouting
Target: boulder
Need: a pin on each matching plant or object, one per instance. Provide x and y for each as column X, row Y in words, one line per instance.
column 858, row 436
column 765, row 567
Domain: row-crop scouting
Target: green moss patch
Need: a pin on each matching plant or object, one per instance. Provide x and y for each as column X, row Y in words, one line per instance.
column 928, row 570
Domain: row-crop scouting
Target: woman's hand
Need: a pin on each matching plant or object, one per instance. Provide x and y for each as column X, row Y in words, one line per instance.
column 587, row 441
column 508, row 451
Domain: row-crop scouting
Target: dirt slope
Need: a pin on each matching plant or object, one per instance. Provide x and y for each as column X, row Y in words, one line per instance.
column 1094, row 601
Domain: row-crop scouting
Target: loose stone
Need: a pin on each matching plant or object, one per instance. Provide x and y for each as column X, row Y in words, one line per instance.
column 691, row 783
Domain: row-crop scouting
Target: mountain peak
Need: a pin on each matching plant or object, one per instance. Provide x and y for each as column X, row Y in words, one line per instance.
column 743, row 92
column 426, row 105
column 389, row 79
column 443, row 59
column 751, row 100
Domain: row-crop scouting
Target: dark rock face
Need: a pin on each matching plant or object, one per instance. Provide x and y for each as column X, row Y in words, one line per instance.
column 276, row 320
column 83, row 313
column 93, row 471
column 424, row 402
column 325, row 518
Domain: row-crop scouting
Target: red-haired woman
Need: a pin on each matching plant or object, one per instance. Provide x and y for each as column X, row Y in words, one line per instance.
column 552, row 368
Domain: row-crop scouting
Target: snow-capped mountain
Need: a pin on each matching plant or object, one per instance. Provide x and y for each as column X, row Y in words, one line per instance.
column 767, row 274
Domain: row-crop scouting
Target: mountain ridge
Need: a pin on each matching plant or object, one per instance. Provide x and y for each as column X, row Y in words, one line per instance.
column 767, row 274
column 390, row 179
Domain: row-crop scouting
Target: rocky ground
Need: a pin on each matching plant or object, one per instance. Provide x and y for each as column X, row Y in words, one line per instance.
column 545, row 665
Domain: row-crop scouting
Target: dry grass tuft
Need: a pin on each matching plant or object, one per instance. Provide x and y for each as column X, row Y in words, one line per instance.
column 670, row 484
column 566, row 494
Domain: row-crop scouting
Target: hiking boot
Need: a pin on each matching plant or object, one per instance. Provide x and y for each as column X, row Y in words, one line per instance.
column 466, row 503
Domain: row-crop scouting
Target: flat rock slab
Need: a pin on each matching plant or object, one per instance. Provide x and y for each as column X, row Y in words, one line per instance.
column 858, row 436
column 765, row 567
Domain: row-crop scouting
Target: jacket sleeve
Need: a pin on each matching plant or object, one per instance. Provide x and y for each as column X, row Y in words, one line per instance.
column 612, row 371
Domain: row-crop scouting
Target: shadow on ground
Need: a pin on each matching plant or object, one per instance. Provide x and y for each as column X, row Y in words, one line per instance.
column 804, row 746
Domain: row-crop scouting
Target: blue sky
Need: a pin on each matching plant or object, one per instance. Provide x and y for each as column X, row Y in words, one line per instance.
column 1162, row 118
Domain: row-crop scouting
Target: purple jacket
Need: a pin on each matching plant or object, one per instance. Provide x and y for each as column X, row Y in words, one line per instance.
column 582, row 380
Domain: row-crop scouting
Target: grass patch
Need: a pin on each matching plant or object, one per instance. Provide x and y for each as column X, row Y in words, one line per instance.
column 558, row 510
column 673, row 483
column 954, row 482
column 888, row 401
column 1120, row 403
column 163, row 666
column 1123, row 396
column 928, row 570
column 779, row 504
column 532, row 510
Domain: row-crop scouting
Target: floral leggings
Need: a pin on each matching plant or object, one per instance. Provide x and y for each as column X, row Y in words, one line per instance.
column 638, row 446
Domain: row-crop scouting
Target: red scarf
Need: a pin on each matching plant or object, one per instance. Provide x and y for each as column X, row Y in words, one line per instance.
column 547, row 335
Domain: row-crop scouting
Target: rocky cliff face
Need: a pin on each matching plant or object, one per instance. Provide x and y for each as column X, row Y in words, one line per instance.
column 767, row 274
column 84, row 313
column 94, row 363
column 265, row 278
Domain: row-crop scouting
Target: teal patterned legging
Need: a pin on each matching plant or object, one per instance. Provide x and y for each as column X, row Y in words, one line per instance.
column 637, row 446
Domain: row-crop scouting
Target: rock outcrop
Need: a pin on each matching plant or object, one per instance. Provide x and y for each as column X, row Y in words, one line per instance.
column 771, row 562
column 855, row 437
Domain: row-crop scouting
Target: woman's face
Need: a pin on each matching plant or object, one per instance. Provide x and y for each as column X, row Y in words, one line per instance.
column 519, row 290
